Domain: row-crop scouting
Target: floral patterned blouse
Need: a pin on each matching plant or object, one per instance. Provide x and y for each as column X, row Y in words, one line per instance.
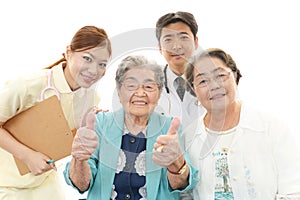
column 130, row 179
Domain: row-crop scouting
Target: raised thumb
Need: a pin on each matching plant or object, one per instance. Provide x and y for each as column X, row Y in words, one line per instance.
column 90, row 120
column 174, row 126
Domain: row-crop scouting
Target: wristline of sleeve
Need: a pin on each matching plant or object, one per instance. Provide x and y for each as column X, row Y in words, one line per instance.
column 181, row 170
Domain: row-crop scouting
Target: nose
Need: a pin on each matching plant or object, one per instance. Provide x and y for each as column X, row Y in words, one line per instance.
column 140, row 91
column 93, row 69
column 214, row 85
column 176, row 44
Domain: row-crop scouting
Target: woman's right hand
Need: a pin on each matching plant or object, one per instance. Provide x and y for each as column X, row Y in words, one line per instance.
column 37, row 163
column 86, row 140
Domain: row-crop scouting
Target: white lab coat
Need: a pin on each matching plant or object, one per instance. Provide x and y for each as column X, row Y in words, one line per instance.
column 171, row 105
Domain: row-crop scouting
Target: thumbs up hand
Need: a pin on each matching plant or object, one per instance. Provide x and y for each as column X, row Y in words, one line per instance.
column 174, row 126
column 167, row 147
column 86, row 140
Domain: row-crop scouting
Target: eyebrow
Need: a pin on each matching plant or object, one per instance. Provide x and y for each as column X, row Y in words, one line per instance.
column 94, row 56
column 212, row 71
column 144, row 81
column 172, row 34
column 89, row 54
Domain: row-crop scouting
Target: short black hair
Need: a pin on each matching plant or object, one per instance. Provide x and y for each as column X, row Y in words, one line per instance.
column 179, row 16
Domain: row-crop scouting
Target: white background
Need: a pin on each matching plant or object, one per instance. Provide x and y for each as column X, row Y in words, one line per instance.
column 262, row 37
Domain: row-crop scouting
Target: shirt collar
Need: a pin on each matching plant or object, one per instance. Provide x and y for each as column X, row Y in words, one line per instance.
column 62, row 85
column 171, row 76
column 59, row 79
column 249, row 119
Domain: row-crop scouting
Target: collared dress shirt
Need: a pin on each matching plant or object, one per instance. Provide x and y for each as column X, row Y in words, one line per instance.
column 170, row 104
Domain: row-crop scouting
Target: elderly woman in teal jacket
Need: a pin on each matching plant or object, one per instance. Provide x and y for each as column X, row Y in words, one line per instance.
column 134, row 153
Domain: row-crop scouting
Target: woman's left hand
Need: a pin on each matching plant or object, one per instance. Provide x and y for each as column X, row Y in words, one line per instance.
column 86, row 140
column 167, row 148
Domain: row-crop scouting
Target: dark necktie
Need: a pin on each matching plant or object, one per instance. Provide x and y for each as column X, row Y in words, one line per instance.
column 180, row 87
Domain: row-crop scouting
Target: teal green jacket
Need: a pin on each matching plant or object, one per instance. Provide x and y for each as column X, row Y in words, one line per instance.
column 109, row 127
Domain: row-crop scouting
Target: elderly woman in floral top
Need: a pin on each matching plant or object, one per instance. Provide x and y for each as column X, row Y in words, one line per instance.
column 134, row 153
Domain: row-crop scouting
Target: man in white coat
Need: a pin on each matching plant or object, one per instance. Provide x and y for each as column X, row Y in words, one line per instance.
column 177, row 37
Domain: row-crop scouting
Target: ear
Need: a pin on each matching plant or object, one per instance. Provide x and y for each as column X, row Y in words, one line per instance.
column 118, row 92
column 68, row 52
column 196, row 42
column 160, row 49
column 159, row 94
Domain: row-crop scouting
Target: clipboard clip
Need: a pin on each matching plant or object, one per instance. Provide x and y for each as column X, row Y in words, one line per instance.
column 49, row 87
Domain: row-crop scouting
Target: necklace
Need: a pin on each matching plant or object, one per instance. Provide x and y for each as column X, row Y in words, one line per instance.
column 212, row 140
column 232, row 130
column 228, row 121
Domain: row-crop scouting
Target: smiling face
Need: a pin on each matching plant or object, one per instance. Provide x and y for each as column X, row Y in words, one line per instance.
column 85, row 67
column 214, row 84
column 177, row 44
column 139, row 92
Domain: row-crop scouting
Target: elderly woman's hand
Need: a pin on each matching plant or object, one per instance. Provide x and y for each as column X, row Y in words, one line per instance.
column 167, row 153
column 167, row 149
column 86, row 140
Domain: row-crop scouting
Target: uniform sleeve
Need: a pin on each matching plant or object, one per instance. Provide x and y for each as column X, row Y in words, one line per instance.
column 12, row 99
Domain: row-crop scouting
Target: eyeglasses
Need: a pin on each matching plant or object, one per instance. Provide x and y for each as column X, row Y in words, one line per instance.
column 148, row 86
column 201, row 81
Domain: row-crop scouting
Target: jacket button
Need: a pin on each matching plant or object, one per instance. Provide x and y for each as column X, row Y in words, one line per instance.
column 132, row 140
column 127, row 196
column 127, row 167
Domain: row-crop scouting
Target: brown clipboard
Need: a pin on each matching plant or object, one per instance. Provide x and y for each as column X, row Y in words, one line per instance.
column 42, row 128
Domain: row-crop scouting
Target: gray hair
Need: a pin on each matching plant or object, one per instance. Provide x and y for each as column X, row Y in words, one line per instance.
column 138, row 61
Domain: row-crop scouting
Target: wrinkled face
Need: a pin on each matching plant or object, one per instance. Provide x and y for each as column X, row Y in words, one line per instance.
column 177, row 44
column 86, row 67
column 139, row 92
column 214, row 83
